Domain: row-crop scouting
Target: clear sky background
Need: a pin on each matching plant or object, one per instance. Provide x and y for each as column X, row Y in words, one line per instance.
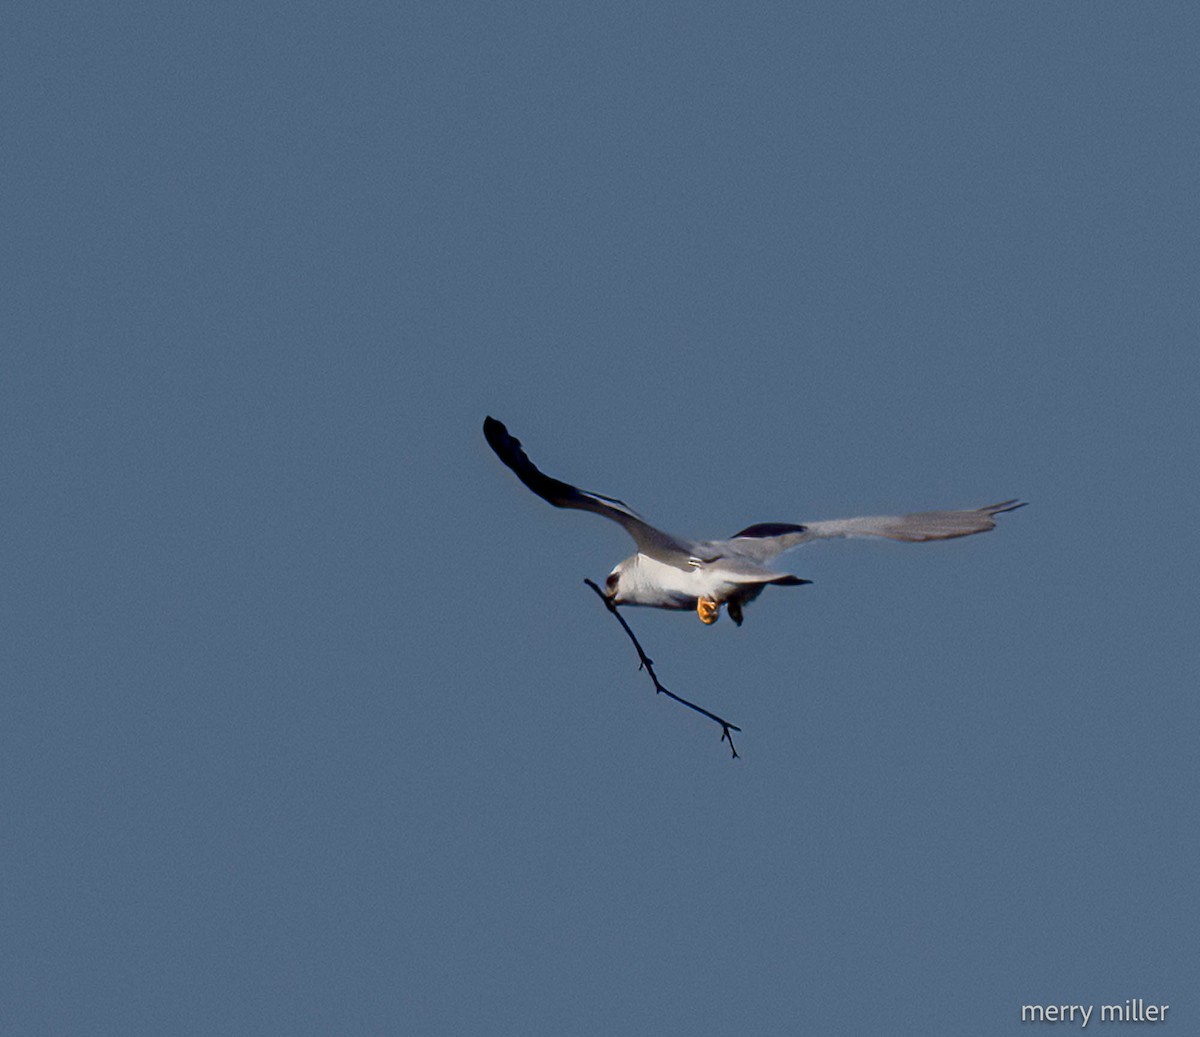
column 309, row 724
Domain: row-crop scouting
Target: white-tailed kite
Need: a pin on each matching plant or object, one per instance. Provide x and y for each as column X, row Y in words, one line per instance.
column 670, row 572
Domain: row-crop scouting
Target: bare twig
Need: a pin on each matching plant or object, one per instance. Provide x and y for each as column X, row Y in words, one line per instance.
column 645, row 663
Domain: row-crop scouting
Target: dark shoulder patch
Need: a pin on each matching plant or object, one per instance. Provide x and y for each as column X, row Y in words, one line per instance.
column 769, row 529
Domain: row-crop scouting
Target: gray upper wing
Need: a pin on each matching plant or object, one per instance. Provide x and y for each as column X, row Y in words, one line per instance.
column 767, row 540
column 650, row 541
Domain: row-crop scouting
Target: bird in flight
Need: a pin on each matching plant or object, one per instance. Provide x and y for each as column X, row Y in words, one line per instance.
column 670, row 572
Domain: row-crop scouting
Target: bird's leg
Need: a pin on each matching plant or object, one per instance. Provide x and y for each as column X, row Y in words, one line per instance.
column 709, row 610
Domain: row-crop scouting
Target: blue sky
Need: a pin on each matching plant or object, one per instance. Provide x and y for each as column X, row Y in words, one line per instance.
column 310, row 725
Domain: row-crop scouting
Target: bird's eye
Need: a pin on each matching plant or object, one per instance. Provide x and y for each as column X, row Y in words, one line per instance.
column 611, row 582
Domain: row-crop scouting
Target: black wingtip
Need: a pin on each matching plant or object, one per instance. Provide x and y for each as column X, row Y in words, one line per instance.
column 497, row 436
column 1005, row 506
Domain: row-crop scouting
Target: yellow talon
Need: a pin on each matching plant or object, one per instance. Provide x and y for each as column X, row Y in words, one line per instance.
column 708, row 610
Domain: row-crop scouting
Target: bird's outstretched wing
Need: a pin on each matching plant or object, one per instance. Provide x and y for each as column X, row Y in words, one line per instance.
column 766, row 540
column 650, row 541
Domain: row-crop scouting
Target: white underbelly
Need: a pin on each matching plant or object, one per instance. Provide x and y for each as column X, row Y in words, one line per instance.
column 658, row 585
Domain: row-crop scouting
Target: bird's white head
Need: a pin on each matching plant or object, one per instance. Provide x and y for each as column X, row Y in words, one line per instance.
column 641, row 581
column 617, row 582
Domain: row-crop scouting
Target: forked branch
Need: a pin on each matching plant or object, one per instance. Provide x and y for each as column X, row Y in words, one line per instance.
column 645, row 663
